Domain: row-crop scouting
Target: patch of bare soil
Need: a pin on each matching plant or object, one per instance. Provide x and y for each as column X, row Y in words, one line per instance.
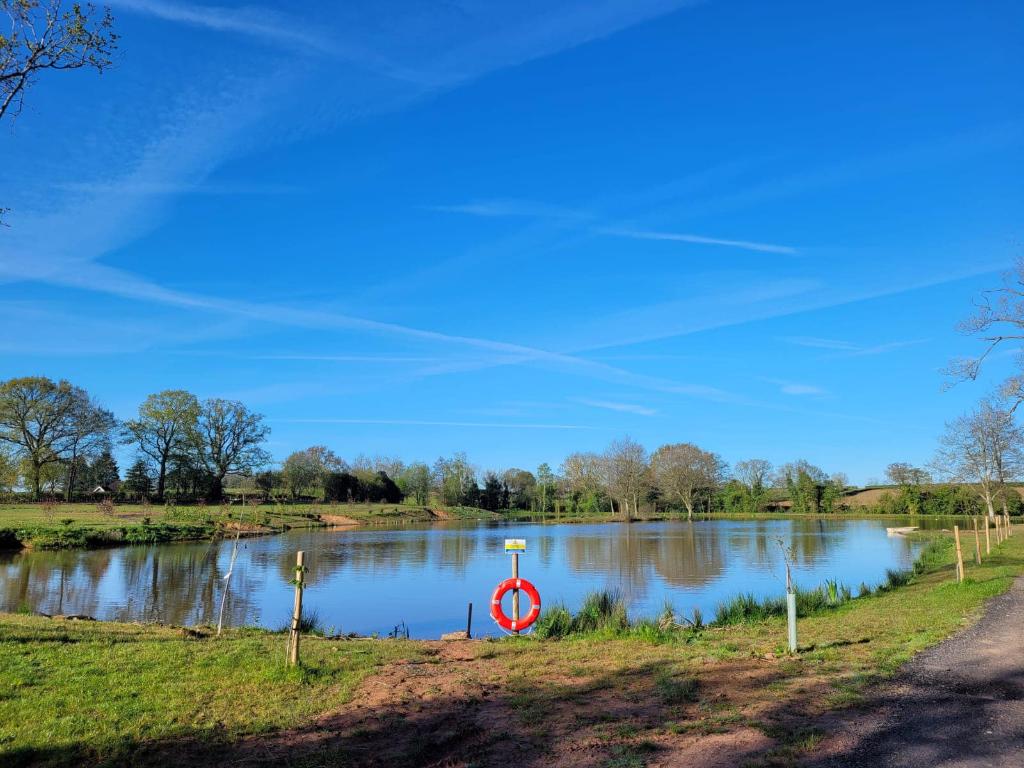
column 339, row 520
column 468, row 704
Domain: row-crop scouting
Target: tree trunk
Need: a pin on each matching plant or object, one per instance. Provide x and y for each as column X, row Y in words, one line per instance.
column 161, row 479
column 36, row 488
column 70, row 481
column 689, row 510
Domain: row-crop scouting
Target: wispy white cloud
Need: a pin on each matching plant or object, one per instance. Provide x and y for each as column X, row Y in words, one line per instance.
column 609, row 405
column 142, row 187
column 430, row 423
column 384, row 359
column 531, row 209
column 849, row 348
column 746, row 245
column 796, row 388
column 261, row 23
column 510, row 208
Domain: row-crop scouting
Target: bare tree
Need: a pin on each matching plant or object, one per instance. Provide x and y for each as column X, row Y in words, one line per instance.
column 903, row 474
column 628, row 473
column 52, row 36
column 165, row 425
column 683, row 471
column 228, row 438
column 755, row 475
column 983, row 448
column 584, row 475
column 998, row 321
column 91, row 427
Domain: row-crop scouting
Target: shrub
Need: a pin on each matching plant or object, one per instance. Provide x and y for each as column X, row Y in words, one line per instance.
column 601, row 610
column 554, row 622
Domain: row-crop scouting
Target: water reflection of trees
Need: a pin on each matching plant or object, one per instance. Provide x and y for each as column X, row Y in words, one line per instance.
column 181, row 583
column 172, row 584
column 54, row 581
column 689, row 556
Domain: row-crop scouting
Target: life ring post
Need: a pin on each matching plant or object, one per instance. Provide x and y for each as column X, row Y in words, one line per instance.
column 515, row 592
column 508, row 623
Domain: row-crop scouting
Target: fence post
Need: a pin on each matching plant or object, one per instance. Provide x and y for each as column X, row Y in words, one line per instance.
column 959, row 555
column 988, row 541
column 977, row 542
column 293, row 638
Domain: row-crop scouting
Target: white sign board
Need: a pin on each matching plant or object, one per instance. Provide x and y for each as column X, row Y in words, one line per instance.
column 515, row 546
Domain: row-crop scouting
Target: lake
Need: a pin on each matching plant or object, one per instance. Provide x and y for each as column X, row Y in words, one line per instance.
column 370, row 580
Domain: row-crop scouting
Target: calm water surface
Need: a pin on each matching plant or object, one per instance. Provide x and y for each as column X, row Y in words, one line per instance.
column 370, row 580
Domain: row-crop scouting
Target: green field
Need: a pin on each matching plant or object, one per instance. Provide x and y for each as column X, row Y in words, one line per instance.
column 58, row 526
column 85, row 693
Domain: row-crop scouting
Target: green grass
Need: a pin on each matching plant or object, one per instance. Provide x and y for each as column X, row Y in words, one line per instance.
column 84, row 693
column 81, row 688
column 85, row 525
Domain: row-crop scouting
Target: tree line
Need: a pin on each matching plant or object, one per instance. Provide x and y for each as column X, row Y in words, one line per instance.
column 55, row 438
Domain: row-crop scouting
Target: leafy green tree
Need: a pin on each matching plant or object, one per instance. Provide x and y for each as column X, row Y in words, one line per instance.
column 165, row 427
column 104, row 472
column 546, row 487
column 804, row 483
column 8, row 471
column 522, row 488
column 414, row 481
column 228, row 438
column 754, row 476
column 454, row 479
column 138, row 481
column 584, row 480
column 494, row 495
column 299, row 472
column 38, row 421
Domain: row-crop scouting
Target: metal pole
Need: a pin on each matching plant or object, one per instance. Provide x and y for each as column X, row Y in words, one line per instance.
column 469, row 622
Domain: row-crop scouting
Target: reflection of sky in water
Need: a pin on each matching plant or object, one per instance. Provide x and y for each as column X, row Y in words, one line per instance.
column 370, row 580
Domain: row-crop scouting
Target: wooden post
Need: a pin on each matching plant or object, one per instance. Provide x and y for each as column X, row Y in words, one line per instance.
column 515, row 592
column 959, row 555
column 988, row 541
column 977, row 542
column 469, row 622
column 293, row 639
column 999, row 531
column 1009, row 525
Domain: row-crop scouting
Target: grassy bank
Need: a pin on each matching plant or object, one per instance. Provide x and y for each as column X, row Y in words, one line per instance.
column 66, row 526
column 617, row 694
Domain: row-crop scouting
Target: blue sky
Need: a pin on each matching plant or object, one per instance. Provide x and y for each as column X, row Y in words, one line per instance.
column 525, row 229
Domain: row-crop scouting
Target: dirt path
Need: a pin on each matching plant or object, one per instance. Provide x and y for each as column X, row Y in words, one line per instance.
column 957, row 705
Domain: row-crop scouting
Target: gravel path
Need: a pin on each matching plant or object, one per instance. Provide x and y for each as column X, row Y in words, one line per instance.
column 959, row 704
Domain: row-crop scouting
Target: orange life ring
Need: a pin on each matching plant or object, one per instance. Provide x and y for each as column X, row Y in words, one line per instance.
column 504, row 621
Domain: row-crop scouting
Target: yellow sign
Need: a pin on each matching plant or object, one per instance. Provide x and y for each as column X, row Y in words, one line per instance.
column 515, row 545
